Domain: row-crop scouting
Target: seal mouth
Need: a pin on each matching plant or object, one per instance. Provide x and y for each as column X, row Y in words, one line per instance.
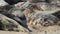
column 3, row 3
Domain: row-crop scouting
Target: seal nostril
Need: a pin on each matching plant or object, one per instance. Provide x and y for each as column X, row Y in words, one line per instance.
column 45, row 19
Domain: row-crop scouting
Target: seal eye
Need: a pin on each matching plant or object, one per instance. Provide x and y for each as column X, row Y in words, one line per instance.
column 11, row 2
